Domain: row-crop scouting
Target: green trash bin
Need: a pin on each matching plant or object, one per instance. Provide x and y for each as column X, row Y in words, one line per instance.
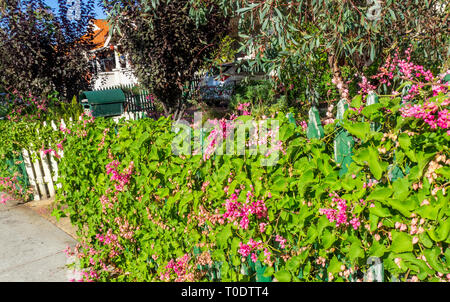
column 103, row 103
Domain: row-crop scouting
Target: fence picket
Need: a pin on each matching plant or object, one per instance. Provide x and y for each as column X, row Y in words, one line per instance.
column 54, row 166
column 39, row 179
column 63, row 124
column 30, row 172
column 47, row 174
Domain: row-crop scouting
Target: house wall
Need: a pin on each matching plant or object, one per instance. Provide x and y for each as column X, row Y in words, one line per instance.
column 114, row 78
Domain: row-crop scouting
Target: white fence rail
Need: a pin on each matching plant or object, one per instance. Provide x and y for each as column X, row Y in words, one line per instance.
column 130, row 116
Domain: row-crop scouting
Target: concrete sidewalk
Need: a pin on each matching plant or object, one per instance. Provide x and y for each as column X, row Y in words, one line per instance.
column 31, row 247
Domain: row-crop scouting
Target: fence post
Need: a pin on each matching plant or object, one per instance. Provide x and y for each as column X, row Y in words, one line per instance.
column 30, row 172
column 39, row 176
column 53, row 162
column 372, row 98
column 47, row 177
column 315, row 129
column 343, row 142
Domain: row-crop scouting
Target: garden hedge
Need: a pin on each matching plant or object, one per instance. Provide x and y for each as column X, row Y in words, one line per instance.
column 146, row 214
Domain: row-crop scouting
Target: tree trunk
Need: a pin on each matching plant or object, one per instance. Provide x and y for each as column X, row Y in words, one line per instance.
column 337, row 77
column 176, row 112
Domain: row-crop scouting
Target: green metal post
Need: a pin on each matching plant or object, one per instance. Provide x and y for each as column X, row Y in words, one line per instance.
column 315, row 128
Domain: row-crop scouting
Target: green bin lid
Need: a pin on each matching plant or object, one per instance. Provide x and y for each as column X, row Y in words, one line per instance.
column 103, row 96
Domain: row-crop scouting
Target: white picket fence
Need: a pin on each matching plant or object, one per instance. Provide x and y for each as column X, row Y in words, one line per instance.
column 130, row 116
column 42, row 169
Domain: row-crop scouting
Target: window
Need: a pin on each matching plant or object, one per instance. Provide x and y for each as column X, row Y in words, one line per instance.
column 106, row 61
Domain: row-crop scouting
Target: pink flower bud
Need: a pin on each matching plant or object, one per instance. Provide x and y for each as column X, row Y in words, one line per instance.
column 425, row 202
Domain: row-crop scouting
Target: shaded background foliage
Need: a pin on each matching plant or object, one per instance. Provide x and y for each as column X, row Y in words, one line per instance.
column 166, row 46
column 41, row 51
column 353, row 35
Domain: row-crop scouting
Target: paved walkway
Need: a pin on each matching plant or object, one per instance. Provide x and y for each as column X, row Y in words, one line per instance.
column 31, row 247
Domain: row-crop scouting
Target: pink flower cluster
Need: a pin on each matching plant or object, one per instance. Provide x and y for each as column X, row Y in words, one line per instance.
column 358, row 110
column 24, row 107
column 55, row 153
column 180, row 267
column 405, row 67
column 222, row 129
column 241, row 211
column 64, row 130
column 371, row 183
column 12, row 187
column 408, row 71
column 4, row 198
column 60, row 144
column 262, row 139
column 340, row 86
column 87, row 118
column 304, row 125
column 365, row 86
column 437, row 89
column 262, row 227
column 108, row 238
column 430, row 113
column 151, row 97
column 126, row 230
column 340, row 215
column 281, row 241
column 204, row 215
column 243, row 108
column 91, row 274
column 112, row 240
column 102, row 143
column 252, row 245
column 205, row 185
column 251, row 248
column 120, row 179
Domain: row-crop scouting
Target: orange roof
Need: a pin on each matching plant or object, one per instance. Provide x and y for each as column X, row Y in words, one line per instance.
column 100, row 33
